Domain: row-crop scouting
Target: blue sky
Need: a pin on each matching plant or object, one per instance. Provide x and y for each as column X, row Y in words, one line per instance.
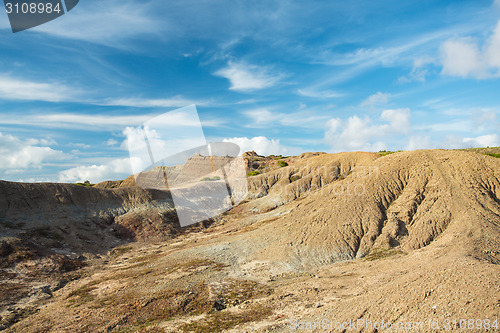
column 279, row 77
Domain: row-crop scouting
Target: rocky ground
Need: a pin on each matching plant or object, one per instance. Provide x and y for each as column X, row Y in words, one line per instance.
column 328, row 242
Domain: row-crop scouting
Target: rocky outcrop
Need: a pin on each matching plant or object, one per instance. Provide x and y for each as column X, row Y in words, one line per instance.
column 76, row 217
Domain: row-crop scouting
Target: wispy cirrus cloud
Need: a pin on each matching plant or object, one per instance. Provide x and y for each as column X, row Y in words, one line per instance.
column 263, row 118
column 89, row 122
column 320, row 94
column 105, row 22
column 176, row 101
column 248, row 77
column 12, row 88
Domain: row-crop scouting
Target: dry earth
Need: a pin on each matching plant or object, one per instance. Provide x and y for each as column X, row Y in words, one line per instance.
column 329, row 239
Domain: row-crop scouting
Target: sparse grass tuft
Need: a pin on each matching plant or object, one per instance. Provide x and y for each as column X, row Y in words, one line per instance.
column 119, row 250
column 254, row 173
column 376, row 254
column 387, row 152
column 81, row 295
column 208, row 179
column 219, row 321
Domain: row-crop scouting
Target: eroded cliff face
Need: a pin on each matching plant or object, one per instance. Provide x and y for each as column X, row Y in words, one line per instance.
column 79, row 218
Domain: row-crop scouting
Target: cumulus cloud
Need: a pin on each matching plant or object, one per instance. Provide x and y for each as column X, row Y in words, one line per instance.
column 466, row 58
column 246, row 77
column 492, row 140
column 420, row 142
column 113, row 170
column 263, row 146
column 357, row 133
column 22, row 154
column 378, row 98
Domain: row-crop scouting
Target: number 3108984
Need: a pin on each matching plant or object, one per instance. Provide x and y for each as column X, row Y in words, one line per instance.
column 32, row 8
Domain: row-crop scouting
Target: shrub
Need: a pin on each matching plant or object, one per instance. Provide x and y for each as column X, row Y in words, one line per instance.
column 282, row 164
column 208, row 179
column 85, row 183
column 254, row 173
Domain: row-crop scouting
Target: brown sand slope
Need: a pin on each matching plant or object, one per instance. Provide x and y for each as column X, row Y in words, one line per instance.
column 409, row 237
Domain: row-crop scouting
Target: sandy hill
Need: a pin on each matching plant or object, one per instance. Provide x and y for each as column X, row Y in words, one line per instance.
column 408, row 237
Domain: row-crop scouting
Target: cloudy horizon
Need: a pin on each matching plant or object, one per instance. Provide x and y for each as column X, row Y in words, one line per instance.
column 277, row 77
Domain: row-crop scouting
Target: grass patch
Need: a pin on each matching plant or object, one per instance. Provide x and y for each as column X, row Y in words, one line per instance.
column 208, row 179
column 254, row 173
column 387, row 152
column 219, row 321
column 492, row 155
column 376, row 254
column 117, row 251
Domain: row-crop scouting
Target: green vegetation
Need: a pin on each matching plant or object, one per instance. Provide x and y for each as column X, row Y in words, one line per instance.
column 85, row 183
column 282, row 164
column 492, row 155
column 387, row 152
column 208, row 179
column 254, row 173
column 376, row 254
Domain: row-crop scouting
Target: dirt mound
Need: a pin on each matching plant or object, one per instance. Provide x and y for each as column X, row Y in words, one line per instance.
column 356, row 203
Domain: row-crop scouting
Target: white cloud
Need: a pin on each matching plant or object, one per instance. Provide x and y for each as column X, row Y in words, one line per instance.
column 362, row 134
column 263, row 146
column 378, row 98
column 176, row 101
column 420, row 142
column 111, row 142
column 492, row 140
column 321, row 94
column 419, row 71
column 104, row 22
column 19, row 89
column 91, row 122
column 113, row 170
column 262, row 118
column 245, row 77
column 22, row 154
column 464, row 57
